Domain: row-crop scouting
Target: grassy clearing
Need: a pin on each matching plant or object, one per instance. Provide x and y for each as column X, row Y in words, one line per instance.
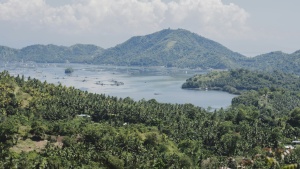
column 29, row 145
column 24, row 98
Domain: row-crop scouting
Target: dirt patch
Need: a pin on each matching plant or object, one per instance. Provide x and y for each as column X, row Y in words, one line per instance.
column 59, row 142
column 29, row 145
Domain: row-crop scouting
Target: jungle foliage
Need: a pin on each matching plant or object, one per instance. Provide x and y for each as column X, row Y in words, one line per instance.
column 238, row 80
column 78, row 53
column 86, row 130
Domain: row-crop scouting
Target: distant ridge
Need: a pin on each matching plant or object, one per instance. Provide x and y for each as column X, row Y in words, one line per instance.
column 180, row 48
column 276, row 60
column 78, row 53
column 168, row 47
column 8, row 54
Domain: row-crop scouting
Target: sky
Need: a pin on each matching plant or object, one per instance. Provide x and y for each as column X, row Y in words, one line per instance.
column 248, row 27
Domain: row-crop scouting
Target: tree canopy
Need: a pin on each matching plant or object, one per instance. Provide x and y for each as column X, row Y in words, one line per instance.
column 41, row 128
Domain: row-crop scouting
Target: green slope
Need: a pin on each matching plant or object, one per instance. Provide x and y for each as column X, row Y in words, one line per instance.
column 179, row 48
column 52, row 53
column 8, row 54
column 237, row 81
column 40, row 128
column 278, row 60
column 78, row 53
column 171, row 48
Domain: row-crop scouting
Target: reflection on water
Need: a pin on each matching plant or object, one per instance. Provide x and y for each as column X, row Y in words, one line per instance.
column 162, row 84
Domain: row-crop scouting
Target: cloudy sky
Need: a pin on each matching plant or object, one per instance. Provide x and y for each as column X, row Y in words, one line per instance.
column 248, row 27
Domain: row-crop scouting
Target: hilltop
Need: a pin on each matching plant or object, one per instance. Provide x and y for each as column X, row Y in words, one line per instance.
column 78, row 53
column 168, row 47
column 241, row 80
column 179, row 48
column 8, row 54
column 171, row 48
column 276, row 60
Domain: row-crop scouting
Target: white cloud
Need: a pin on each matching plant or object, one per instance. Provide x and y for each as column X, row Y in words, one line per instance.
column 211, row 16
column 127, row 16
column 16, row 10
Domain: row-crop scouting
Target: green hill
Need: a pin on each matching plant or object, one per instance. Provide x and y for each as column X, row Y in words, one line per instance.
column 8, row 54
column 237, row 81
column 275, row 92
column 78, row 53
column 171, row 48
column 51, row 53
column 179, row 48
column 277, row 60
column 48, row 126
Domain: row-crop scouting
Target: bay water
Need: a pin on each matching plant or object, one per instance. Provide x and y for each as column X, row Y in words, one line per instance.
column 159, row 83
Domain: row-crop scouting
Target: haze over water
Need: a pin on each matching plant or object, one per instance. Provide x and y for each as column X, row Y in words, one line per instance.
column 159, row 83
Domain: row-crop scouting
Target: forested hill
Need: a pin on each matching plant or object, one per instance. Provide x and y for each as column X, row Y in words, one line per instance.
column 239, row 80
column 179, row 48
column 171, row 48
column 78, row 53
column 176, row 48
column 8, row 54
column 284, row 62
column 48, row 126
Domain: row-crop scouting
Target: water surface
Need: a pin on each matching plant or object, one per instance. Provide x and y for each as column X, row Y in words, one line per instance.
column 162, row 84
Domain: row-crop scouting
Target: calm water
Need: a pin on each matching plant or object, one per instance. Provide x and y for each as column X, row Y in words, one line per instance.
column 162, row 84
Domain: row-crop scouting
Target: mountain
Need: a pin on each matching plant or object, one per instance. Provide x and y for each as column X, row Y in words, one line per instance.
column 277, row 60
column 179, row 48
column 171, row 48
column 51, row 53
column 78, row 53
column 8, row 54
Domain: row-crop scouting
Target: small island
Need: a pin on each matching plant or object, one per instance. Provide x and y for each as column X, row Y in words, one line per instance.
column 111, row 82
column 69, row 70
column 241, row 80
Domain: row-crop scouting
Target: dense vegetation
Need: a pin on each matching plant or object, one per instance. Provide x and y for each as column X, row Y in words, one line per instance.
column 86, row 130
column 289, row 63
column 51, row 53
column 8, row 54
column 69, row 70
column 178, row 48
column 48, row 126
column 239, row 80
